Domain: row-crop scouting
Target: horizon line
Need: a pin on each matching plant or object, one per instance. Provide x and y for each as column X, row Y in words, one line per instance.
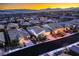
column 40, row 9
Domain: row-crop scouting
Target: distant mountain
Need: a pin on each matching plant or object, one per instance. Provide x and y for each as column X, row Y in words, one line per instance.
column 36, row 11
column 16, row 10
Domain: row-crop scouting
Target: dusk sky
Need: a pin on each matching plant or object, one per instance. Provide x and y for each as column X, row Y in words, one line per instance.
column 36, row 6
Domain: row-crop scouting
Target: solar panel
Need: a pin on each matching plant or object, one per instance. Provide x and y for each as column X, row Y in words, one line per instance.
column 12, row 34
column 35, row 29
column 2, row 38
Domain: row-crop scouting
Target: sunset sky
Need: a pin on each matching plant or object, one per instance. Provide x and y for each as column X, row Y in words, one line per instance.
column 36, row 6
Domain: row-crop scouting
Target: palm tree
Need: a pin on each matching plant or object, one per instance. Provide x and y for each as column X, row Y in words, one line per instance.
column 41, row 37
column 66, row 49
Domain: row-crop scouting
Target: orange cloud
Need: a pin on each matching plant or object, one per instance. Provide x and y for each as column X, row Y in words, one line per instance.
column 37, row 6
